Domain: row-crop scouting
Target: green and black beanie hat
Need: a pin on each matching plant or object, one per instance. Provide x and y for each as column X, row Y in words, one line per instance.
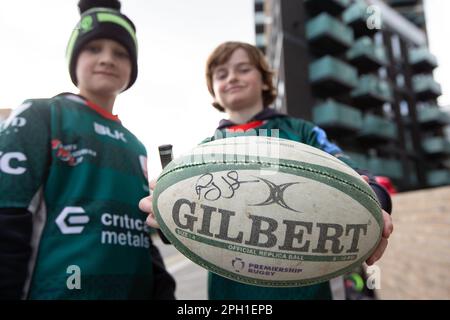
column 102, row 19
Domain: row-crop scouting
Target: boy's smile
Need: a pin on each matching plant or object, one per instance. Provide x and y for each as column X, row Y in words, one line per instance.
column 233, row 88
column 106, row 73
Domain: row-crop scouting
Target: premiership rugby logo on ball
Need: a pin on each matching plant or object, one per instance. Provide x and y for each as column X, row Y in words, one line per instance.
column 311, row 219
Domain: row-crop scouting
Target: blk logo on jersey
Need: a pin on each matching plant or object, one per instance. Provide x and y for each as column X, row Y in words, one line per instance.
column 106, row 131
column 71, row 220
column 12, row 163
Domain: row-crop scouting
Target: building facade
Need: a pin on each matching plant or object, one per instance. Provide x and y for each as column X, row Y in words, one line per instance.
column 361, row 69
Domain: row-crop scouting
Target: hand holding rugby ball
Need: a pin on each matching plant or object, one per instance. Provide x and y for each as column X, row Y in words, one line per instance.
column 267, row 211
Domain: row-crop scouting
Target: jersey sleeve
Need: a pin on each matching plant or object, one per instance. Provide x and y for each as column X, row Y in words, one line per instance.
column 24, row 154
column 317, row 137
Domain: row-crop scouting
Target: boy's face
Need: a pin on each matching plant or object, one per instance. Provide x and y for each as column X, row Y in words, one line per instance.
column 103, row 68
column 237, row 83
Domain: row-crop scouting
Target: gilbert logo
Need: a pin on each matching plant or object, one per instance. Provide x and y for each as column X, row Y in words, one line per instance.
column 72, row 220
column 106, row 131
column 276, row 194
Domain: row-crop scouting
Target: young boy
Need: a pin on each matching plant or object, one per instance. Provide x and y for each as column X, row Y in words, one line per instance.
column 71, row 177
column 239, row 79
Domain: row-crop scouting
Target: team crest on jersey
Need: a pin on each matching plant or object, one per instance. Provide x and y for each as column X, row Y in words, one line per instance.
column 70, row 153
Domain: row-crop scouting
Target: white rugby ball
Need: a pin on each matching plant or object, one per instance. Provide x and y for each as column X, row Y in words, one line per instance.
column 267, row 211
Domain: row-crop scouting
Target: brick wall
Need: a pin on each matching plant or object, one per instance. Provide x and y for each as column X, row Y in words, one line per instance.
column 416, row 264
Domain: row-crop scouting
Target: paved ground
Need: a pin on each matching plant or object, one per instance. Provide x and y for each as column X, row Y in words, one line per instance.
column 190, row 278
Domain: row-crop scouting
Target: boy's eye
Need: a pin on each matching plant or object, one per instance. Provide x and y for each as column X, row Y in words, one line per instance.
column 220, row 75
column 122, row 54
column 245, row 68
column 93, row 49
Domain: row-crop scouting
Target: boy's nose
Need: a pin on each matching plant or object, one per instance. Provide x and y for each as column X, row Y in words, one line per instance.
column 107, row 57
column 232, row 76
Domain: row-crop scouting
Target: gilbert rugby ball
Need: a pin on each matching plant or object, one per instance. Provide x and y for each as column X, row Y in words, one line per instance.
column 267, row 211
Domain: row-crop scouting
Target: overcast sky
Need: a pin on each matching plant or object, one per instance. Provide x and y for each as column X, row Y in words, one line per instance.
column 169, row 102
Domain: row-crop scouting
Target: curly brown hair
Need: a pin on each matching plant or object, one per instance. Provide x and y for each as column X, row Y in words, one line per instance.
column 223, row 52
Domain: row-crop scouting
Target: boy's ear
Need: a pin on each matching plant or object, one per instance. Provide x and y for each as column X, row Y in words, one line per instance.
column 265, row 87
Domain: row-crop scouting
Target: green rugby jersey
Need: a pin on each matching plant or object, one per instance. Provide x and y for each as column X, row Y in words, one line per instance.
column 81, row 174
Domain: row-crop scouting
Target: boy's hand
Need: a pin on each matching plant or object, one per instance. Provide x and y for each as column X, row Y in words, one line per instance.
column 387, row 230
column 146, row 205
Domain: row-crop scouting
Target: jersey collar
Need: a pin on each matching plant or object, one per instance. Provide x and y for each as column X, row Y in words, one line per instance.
column 258, row 120
column 91, row 105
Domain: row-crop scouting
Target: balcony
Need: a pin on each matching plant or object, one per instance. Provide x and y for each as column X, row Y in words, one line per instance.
column 371, row 92
column 330, row 76
column 385, row 167
column 357, row 16
column 333, row 7
column 377, row 129
column 432, row 116
column 436, row 146
column 328, row 35
column 409, row 142
column 338, row 117
column 426, row 88
column 261, row 18
column 261, row 41
column 422, row 61
column 438, row 177
column 366, row 56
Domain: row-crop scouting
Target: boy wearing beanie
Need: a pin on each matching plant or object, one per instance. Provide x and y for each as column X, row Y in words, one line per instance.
column 72, row 175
